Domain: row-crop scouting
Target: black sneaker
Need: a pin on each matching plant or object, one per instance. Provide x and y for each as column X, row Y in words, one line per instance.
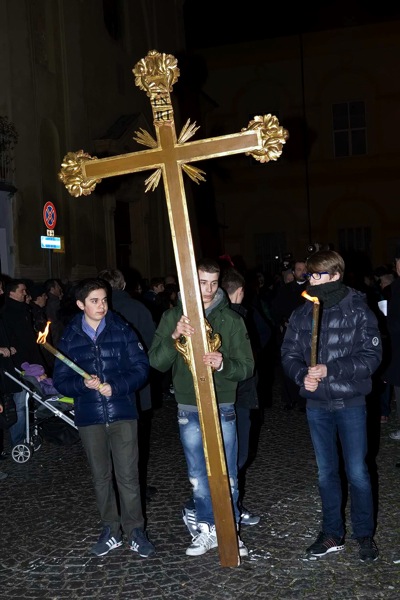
column 325, row 544
column 248, row 518
column 106, row 542
column 368, row 550
column 139, row 542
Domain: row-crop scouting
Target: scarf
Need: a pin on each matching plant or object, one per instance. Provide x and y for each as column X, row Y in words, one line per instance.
column 330, row 293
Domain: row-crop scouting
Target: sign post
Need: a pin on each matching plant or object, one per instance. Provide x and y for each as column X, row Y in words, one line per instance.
column 50, row 220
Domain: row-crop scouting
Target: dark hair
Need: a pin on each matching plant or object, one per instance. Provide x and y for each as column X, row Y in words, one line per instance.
column 51, row 283
column 208, row 265
column 86, row 286
column 12, row 285
column 232, row 280
column 114, row 277
column 155, row 281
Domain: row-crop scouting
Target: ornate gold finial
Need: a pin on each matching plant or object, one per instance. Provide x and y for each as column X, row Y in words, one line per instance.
column 183, row 348
column 213, row 343
column 273, row 138
column 213, row 340
column 71, row 174
column 156, row 73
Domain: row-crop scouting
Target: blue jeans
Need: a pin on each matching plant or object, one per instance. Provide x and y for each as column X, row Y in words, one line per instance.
column 350, row 424
column 114, row 448
column 18, row 430
column 191, row 438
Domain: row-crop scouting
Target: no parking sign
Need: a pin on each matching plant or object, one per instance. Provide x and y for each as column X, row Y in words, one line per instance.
column 49, row 215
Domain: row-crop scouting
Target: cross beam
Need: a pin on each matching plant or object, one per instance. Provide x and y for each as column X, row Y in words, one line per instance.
column 169, row 156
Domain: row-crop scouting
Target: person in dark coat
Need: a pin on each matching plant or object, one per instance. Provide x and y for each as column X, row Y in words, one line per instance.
column 349, row 352
column 20, row 334
column 392, row 373
column 7, row 385
column 247, row 403
column 55, row 293
column 287, row 299
column 38, row 306
column 107, row 348
column 140, row 318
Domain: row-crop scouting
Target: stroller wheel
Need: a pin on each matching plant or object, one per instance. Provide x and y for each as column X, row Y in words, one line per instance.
column 36, row 441
column 21, row 453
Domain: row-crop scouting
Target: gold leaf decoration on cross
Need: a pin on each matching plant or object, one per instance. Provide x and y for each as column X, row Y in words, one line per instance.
column 152, row 182
column 145, row 138
column 156, row 73
column 273, row 138
column 72, row 176
column 213, row 342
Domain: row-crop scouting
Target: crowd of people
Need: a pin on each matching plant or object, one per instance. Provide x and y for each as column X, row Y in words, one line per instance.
column 126, row 334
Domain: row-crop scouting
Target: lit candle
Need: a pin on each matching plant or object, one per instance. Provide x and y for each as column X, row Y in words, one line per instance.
column 42, row 340
column 314, row 327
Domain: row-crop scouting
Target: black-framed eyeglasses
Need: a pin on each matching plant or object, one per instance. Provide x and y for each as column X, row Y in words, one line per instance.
column 316, row 276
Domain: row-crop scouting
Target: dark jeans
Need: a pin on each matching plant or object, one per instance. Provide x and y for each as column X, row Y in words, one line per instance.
column 115, row 443
column 18, row 433
column 350, row 424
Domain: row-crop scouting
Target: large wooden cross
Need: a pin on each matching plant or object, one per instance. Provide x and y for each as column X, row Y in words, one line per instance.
column 169, row 156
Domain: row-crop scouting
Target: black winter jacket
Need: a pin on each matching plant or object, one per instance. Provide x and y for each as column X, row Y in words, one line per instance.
column 116, row 357
column 349, row 345
column 140, row 318
column 392, row 374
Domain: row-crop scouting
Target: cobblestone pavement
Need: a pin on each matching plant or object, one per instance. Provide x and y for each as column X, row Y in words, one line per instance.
column 49, row 521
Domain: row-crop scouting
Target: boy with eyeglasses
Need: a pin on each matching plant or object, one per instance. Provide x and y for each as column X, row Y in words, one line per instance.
column 349, row 351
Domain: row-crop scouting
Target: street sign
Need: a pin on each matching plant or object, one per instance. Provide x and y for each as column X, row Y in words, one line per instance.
column 50, row 233
column 49, row 215
column 51, row 243
column 62, row 246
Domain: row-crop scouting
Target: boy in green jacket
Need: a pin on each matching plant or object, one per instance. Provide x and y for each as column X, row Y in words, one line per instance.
column 233, row 362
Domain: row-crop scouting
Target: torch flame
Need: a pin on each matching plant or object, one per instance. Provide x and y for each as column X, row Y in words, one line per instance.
column 41, row 339
column 312, row 298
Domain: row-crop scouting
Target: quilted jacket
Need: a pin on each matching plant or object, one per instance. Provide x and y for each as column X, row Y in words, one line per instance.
column 116, row 357
column 235, row 348
column 349, row 344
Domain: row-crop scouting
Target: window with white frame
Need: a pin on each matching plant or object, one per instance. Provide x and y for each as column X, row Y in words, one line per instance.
column 349, row 129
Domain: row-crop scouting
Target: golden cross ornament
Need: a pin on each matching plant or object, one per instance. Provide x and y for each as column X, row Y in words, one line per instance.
column 168, row 157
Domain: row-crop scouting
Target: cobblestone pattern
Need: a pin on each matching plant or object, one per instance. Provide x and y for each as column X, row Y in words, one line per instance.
column 49, row 522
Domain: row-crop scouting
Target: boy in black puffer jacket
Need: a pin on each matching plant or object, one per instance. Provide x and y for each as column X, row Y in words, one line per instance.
column 349, row 351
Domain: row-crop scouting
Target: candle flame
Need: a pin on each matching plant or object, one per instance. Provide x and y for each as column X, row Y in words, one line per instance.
column 41, row 339
column 312, row 298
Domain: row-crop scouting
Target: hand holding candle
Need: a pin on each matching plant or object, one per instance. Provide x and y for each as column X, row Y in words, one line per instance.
column 41, row 339
column 314, row 328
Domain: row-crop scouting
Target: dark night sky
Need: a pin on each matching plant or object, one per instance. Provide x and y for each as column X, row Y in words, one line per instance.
column 219, row 22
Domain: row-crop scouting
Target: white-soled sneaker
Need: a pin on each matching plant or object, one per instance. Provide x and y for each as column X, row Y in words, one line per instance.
column 205, row 539
column 242, row 548
column 395, row 435
column 106, row 542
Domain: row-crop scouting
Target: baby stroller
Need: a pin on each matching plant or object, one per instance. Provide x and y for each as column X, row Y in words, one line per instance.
column 39, row 408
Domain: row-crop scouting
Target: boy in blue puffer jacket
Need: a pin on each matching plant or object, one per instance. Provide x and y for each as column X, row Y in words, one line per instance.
column 349, row 351
column 106, row 347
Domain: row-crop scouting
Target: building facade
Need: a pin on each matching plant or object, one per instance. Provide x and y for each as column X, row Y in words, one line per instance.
column 67, row 84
